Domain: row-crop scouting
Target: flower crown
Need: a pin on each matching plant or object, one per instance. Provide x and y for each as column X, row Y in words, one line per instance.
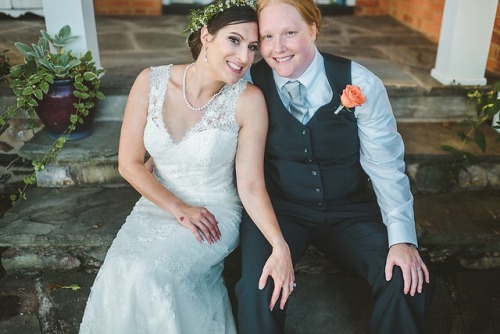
column 200, row 17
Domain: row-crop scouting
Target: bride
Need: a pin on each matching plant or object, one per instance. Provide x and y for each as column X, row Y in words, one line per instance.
column 200, row 123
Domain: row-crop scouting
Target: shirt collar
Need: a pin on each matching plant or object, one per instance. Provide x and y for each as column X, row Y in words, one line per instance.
column 308, row 77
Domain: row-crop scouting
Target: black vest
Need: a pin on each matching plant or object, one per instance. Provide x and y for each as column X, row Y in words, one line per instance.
column 314, row 165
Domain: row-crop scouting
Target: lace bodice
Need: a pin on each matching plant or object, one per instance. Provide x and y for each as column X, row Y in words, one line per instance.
column 202, row 161
column 157, row 277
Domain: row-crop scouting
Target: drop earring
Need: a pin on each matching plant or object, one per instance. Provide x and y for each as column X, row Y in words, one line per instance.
column 206, row 54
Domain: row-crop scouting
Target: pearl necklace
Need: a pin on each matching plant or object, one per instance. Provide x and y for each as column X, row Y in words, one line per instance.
column 185, row 95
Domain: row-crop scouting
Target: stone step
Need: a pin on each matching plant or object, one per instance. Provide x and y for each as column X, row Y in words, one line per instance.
column 321, row 304
column 93, row 160
column 425, row 123
column 69, row 228
column 410, row 101
column 69, row 225
column 339, row 301
column 58, row 238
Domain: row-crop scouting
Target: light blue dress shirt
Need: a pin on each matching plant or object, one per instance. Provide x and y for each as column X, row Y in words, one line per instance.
column 382, row 148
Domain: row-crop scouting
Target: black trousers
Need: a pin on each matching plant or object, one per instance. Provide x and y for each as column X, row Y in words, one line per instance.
column 359, row 243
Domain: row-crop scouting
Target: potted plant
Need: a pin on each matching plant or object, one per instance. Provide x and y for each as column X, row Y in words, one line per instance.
column 59, row 87
column 56, row 84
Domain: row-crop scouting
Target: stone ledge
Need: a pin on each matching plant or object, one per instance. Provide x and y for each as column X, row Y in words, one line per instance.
column 80, row 223
column 94, row 160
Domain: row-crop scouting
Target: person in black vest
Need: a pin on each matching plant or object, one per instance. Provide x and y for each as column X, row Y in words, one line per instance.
column 335, row 173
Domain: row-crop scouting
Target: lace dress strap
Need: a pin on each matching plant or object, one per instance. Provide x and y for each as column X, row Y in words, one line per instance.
column 221, row 114
column 158, row 89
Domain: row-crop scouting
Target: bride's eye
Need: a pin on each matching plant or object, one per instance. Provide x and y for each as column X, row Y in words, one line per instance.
column 234, row 40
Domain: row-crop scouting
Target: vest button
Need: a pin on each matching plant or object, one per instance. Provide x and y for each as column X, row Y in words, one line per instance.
column 317, row 190
column 320, row 204
column 314, row 173
column 306, row 150
column 304, row 132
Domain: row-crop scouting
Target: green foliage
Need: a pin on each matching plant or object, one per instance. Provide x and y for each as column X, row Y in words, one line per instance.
column 31, row 80
column 200, row 17
column 487, row 104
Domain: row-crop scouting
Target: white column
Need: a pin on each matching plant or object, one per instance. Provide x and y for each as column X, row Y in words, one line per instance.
column 79, row 15
column 464, row 41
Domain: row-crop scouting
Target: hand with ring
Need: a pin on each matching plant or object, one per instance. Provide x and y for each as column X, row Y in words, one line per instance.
column 279, row 267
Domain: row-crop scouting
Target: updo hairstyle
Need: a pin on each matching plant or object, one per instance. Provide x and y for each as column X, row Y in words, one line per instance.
column 232, row 15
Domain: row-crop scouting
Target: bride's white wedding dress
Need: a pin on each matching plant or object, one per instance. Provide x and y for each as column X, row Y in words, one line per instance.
column 157, row 278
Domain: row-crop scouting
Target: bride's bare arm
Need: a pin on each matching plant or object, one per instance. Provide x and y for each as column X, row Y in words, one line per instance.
column 132, row 167
column 253, row 120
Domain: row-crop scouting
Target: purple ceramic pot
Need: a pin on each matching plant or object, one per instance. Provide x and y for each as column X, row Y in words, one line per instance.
column 56, row 108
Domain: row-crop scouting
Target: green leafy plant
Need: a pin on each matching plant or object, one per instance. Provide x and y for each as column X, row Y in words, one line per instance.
column 44, row 62
column 487, row 104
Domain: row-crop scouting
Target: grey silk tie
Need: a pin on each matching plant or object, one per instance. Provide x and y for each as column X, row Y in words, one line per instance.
column 297, row 103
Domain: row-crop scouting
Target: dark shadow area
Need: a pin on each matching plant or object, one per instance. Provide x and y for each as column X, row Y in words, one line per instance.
column 9, row 307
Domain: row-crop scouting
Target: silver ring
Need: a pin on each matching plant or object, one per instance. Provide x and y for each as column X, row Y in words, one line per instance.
column 293, row 285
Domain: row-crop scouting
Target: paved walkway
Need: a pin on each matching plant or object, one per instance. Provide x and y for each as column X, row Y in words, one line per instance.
column 400, row 56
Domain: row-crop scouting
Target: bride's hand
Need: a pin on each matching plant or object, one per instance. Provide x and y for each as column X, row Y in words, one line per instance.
column 201, row 222
column 280, row 267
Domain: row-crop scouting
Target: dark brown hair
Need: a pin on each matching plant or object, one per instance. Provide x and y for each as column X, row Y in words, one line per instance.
column 232, row 15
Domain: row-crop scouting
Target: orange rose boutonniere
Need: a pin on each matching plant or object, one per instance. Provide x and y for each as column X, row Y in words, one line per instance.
column 351, row 97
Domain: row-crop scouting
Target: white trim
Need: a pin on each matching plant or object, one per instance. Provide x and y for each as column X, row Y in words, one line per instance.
column 449, row 79
column 19, row 12
column 464, row 42
column 79, row 15
column 17, row 8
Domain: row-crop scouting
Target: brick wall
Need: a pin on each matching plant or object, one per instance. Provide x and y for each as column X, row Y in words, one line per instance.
column 422, row 15
column 425, row 16
column 128, row 7
column 371, row 7
column 493, row 64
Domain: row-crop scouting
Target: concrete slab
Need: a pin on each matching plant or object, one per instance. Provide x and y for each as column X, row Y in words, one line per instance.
column 83, row 221
column 67, row 217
